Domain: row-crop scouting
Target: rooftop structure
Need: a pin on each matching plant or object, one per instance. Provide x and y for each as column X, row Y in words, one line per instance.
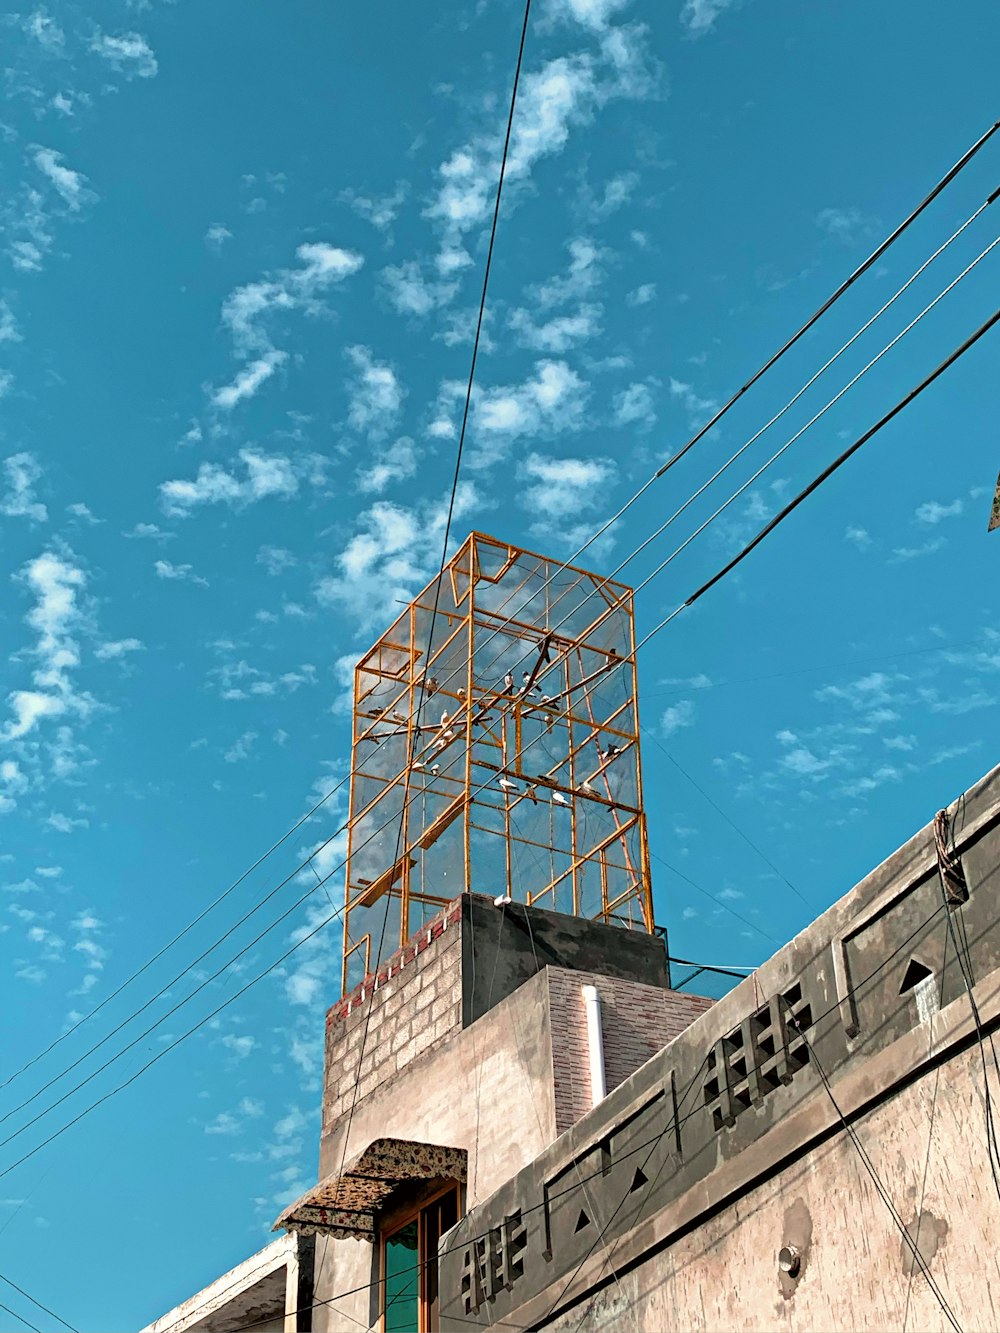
column 496, row 750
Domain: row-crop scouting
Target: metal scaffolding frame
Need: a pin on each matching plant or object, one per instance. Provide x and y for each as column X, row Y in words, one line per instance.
column 464, row 779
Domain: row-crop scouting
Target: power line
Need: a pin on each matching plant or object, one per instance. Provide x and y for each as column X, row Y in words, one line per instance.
column 329, row 794
column 28, row 1297
column 20, row 1318
column 831, row 300
column 674, row 1122
column 788, row 509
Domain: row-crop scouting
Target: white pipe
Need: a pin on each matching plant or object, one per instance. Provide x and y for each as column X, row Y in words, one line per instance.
column 595, row 1041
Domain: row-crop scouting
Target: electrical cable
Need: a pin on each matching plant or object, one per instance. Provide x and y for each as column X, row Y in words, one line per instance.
column 861, row 269
column 170, row 943
column 20, row 1318
column 950, row 360
column 444, row 550
column 28, row 1297
column 876, row 1180
column 677, row 1122
column 813, row 319
column 779, row 518
column 328, row 795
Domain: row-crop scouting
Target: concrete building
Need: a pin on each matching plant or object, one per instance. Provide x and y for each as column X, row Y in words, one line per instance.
column 525, row 1126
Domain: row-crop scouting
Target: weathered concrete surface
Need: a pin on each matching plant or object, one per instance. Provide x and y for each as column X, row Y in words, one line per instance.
column 739, row 1101
column 270, row 1286
column 501, row 1088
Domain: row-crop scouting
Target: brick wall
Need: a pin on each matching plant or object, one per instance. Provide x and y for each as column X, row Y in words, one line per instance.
column 411, row 1002
column 637, row 1021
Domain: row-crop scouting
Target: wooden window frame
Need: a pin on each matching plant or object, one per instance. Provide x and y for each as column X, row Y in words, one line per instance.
column 418, row 1214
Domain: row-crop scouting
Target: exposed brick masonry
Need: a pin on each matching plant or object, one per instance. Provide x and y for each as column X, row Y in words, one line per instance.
column 406, row 1010
column 637, row 1020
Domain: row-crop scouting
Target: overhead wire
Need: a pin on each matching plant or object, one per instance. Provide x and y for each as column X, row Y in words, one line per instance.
column 672, row 1123
column 444, row 549
column 196, row 920
column 884, row 420
column 37, row 1303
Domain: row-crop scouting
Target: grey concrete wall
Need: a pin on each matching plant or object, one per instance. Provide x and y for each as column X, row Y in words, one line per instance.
column 503, row 948
column 857, row 1273
column 742, row 1095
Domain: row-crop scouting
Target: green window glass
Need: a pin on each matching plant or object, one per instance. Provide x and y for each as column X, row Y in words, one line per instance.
column 402, row 1280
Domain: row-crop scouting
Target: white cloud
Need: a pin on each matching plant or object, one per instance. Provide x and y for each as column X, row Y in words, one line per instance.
column 70, row 185
column 678, row 715
column 559, row 333
column 699, row 16
column 240, row 748
column 376, row 395
column 397, row 462
column 698, row 409
column 901, row 554
column 8, row 325
column 549, row 402
column 858, row 537
column 264, row 476
column 165, row 569
column 55, row 618
column 45, row 30
column 240, row 1046
column 563, row 94
column 933, row 512
column 275, row 559
column 411, row 293
column 582, row 275
column 130, row 54
column 633, row 406
column 22, row 472
column 846, row 225
column 82, row 511
column 107, row 652
column 249, row 380
column 217, row 235
column 380, row 212
column 149, row 530
column 593, row 14
column 642, row 295
column 558, row 489
column 392, row 554
column 234, row 1122
column 246, row 311
column 64, row 824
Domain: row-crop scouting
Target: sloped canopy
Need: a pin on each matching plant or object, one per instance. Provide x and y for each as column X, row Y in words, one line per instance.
column 347, row 1205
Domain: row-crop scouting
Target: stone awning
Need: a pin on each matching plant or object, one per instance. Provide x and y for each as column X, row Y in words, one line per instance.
column 347, row 1205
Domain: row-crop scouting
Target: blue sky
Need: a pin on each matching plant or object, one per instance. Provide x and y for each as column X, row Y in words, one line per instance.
column 241, row 251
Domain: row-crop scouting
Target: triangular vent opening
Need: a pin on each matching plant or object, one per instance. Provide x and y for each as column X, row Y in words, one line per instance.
column 638, row 1180
column 582, row 1221
column 915, row 972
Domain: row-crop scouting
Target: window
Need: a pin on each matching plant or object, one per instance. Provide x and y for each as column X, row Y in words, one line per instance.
column 409, row 1265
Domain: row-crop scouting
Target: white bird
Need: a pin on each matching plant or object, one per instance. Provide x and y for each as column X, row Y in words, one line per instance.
column 530, row 791
column 546, row 698
column 588, row 788
column 398, row 717
column 507, row 785
column 461, row 692
column 435, row 769
column 612, row 752
column 419, row 764
column 559, row 799
column 444, row 718
column 502, row 900
column 508, row 681
column 431, row 686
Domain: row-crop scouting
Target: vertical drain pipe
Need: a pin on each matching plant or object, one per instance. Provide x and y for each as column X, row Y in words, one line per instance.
column 595, row 1043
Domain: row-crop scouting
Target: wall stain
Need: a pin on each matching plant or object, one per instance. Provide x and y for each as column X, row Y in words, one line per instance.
column 797, row 1230
column 928, row 1234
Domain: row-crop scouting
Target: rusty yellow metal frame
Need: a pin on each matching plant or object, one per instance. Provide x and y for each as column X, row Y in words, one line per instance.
column 448, row 817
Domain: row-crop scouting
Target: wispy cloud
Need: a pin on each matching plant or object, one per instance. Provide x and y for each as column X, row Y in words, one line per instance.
column 22, row 472
column 548, row 403
column 129, row 53
column 633, row 406
column 396, row 462
column 165, row 569
column 56, row 618
column 933, row 512
column 561, row 492
column 677, row 716
column 560, row 332
column 392, row 554
column 249, row 380
column 698, row 17
column 858, row 537
column 117, row 648
column 253, row 476
column 846, row 225
column 70, row 185
column 375, row 394
column 901, row 554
